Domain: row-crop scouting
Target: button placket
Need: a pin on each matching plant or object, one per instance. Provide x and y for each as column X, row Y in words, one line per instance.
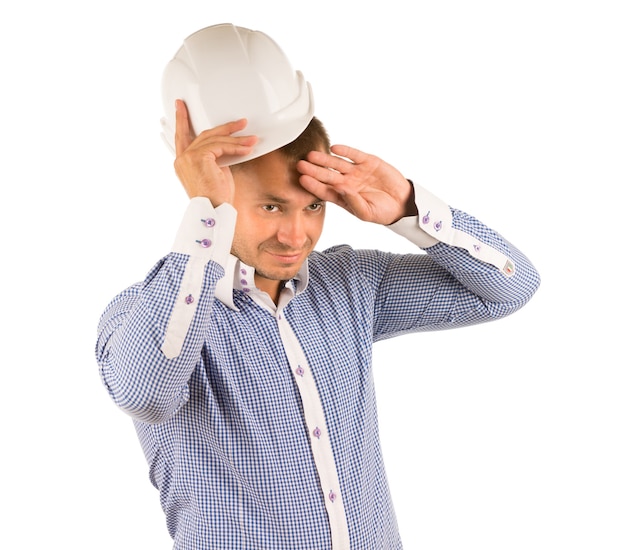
column 317, row 429
column 243, row 281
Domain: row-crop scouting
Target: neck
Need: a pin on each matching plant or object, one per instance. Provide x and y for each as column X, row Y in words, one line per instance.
column 269, row 286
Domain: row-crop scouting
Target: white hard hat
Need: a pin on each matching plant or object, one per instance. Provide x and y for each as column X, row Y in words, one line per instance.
column 225, row 73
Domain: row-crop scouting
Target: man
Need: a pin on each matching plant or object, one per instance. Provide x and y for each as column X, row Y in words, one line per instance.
column 244, row 357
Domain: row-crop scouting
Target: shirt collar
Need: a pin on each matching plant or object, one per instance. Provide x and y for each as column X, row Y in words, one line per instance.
column 239, row 276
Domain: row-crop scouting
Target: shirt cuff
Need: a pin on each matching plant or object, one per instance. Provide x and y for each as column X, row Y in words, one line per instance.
column 206, row 233
column 434, row 224
column 431, row 226
column 409, row 228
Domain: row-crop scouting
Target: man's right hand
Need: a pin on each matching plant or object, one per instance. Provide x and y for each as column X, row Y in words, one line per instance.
column 196, row 157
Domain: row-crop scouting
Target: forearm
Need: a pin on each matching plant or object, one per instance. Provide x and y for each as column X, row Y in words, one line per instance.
column 151, row 335
column 497, row 278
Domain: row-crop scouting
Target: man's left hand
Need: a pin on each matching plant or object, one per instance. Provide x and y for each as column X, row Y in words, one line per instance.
column 363, row 184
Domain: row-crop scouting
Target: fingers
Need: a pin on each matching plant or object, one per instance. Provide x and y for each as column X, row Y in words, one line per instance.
column 342, row 158
column 197, row 157
column 356, row 156
column 321, row 190
column 322, row 174
column 332, row 169
column 319, row 162
column 220, row 138
column 182, row 137
column 218, row 142
column 361, row 183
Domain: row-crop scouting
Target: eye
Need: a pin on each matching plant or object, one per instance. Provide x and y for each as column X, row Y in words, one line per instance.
column 316, row 206
column 270, row 208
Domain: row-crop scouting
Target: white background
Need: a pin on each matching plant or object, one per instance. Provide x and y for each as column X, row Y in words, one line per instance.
column 507, row 435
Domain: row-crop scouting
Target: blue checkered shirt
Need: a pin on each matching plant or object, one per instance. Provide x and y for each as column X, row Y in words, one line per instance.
column 258, row 420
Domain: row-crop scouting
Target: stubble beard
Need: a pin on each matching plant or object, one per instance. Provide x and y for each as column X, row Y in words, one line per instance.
column 278, row 274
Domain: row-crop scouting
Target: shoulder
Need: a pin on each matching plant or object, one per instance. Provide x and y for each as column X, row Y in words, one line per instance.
column 342, row 262
column 336, row 257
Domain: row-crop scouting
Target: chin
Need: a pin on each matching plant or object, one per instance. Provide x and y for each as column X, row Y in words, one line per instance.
column 283, row 274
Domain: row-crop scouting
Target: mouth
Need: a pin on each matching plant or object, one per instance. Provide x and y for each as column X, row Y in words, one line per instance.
column 286, row 258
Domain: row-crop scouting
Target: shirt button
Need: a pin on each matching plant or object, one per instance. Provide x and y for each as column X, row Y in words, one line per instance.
column 332, row 496
column 209, row 222
column 317, row 433
column 300, row 371
column 205, row 243
column 189, row 299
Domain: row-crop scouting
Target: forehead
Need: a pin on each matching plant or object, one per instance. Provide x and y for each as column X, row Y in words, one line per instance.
column 272, row 175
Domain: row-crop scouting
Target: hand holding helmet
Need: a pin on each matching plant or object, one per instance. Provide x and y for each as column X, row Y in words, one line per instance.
column 197, row 159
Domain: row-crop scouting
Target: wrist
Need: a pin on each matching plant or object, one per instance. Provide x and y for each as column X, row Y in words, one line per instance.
column 410, row 207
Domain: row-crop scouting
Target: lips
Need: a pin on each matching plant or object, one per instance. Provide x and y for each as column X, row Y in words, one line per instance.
column 286, row 257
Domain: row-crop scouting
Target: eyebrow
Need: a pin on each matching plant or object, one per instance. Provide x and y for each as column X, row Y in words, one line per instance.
column 273, row 199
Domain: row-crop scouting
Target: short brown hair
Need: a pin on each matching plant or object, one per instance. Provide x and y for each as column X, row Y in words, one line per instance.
column 314, row 137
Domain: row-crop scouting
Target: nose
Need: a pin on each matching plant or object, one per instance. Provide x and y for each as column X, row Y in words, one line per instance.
column 292, row 232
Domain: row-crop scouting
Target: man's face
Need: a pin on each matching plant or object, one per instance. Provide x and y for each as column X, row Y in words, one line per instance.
column 278, row 221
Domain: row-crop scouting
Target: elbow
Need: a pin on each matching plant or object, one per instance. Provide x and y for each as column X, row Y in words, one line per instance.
column 529, row 284
column 143, row 400
column 146, row 395
column 153, row 413
column 154, row 410
column 523, row 286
